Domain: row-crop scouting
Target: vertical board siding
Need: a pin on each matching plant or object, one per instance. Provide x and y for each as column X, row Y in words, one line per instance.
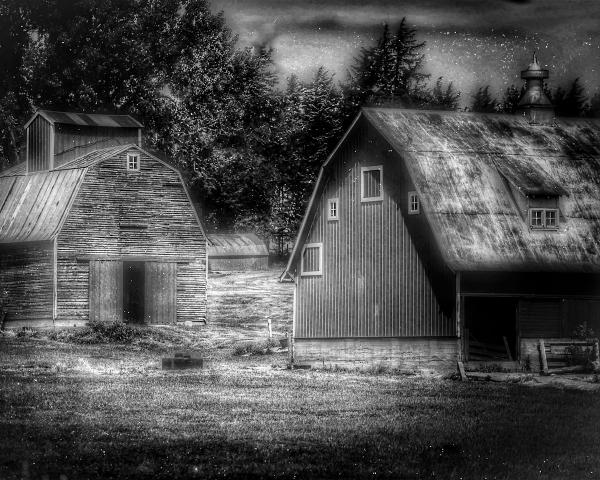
column 106, row 291
column 72, row 141
column 26, row 283
column 373, row 282
column 38, row 146
column 161, row 293
column 109, row 201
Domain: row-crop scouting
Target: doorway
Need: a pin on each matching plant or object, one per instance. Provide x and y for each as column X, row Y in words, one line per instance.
column 491, row 329
column 133, row 292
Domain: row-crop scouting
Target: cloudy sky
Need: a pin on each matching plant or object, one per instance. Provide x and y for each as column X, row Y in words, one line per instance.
column 471, row 42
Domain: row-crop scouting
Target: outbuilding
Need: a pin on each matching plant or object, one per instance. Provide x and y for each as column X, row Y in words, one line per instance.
column 432, row 237
column 237, row 252
column 94, row 227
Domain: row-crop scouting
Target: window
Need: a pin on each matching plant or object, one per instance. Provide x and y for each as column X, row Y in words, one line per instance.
column 414, row 206
column 312, row 259
column 332, row 209
column 543, row 218
column 371, row 186
column 133, row 161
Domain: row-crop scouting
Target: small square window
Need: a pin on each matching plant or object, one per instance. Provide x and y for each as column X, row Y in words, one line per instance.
column 332, row 209
column 133, row 161
column 414, row 206
column 371, row 184
column 543, row 219
column 312, row 259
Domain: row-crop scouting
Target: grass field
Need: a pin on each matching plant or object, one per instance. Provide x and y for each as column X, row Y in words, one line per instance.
column 108, row 411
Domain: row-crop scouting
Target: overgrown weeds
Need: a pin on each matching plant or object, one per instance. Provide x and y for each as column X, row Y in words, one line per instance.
column 265, row 347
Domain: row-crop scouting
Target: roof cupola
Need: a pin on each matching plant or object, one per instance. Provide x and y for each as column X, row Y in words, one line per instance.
column 534, row 103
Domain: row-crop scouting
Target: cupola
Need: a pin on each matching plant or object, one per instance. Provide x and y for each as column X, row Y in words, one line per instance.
column 535, row 104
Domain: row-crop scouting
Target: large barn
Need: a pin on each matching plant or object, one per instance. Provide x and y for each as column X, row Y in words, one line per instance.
column 93, row 227
column 432, row 237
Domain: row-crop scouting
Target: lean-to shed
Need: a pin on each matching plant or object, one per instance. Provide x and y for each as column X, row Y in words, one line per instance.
column 110, row 234
column 237, row 252
column 433, row 237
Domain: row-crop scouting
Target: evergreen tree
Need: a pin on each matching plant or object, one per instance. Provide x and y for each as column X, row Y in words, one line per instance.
column 442, row 98
column 571, row 102
column 510, row 100
column 483, row 101
column 389, row 72
column 594, row 110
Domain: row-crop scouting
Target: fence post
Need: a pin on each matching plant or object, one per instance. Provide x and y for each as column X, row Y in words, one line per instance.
column 291, row 350
column 269, row 326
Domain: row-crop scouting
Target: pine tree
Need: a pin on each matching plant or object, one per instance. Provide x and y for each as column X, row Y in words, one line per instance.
column 510, row 100
column 483, row 101
column 571, row 102
column 594, row 110
column 442, row 98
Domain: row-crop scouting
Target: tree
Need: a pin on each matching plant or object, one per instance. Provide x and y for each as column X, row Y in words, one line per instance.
column 483, row 101
column 594, row 110
column 510, row 100
column 389, row 72
column 571, row 102
column 443, row 98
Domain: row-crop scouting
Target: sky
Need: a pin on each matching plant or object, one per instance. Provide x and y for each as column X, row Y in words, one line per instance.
column 469, row 42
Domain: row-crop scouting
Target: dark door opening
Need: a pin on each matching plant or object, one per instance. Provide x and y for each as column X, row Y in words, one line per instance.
column 490, row 329
column 133, row 292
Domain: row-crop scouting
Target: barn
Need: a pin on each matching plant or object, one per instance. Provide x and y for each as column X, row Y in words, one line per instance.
column 432, row 237
column 94, row 227
column 230, row 252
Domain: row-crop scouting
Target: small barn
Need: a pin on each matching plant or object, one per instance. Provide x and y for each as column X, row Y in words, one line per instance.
column 236, row 252
column 94, row 227
column 432, row 237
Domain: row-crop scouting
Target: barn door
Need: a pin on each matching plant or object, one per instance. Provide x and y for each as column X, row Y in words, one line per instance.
column 161, row 293
column 106, row 287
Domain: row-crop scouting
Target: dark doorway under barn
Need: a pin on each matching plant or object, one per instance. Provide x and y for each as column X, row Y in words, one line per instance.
column 133, row 292
column 490, row 329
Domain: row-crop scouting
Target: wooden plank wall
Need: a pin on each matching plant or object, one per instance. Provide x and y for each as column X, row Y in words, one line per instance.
column 161, row 293
column 72, row 141
column 106, row 291
column 373, row 282
column 26, row 281
column 38, row 144
column 111, row 201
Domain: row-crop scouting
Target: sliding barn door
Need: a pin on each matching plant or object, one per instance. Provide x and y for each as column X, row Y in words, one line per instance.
column 106, row 291
column 161, row 293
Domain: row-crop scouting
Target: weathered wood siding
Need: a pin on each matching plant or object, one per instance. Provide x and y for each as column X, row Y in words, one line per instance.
column 72, row 141
column 123, row 215
column 39, row 139
column 26, row 283
column 409, row 354
column 106, row 291
column 161, row 293
column 237, row 264
column 373, row 282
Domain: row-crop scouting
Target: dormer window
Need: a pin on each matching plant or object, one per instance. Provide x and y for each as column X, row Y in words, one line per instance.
column 543, row 218
column 133, row 161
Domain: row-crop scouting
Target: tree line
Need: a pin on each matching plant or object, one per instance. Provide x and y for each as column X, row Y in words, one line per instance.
column 249, row 147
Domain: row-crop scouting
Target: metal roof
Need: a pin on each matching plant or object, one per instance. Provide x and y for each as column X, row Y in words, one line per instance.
column 32, row 207
column 87, row 119
column 457, row 162
column 236, row 244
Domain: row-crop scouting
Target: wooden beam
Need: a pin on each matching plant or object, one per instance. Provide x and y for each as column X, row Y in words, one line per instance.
column 137, row 258
column 510, row 358
column 543, row 357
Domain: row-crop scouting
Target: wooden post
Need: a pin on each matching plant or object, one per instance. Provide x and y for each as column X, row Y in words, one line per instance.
column 291, row 350
column 543, row 357
column 269, row 326
column 466, row 343
column 461, row 370
column 507, row 349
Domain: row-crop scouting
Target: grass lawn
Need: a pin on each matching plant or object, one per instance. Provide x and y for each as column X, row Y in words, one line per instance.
column 108, row 411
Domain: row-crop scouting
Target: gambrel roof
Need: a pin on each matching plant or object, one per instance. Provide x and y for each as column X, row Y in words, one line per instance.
column 33, row 206
column 462, row 164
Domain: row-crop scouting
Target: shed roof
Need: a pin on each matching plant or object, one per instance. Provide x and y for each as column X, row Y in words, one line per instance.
column 236, row 245
column 457, row 162
column 18, row 169
column 87, row 119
